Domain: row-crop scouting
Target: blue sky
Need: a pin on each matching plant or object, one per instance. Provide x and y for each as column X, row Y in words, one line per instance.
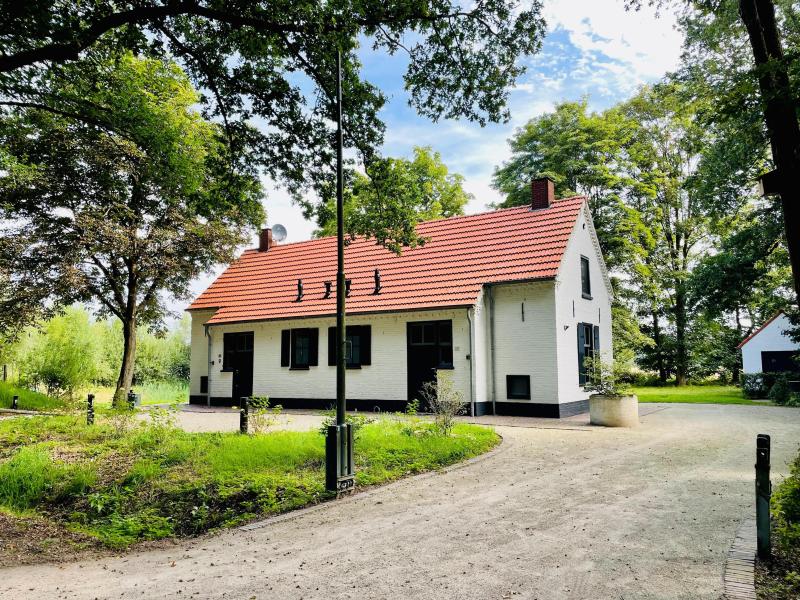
column 594, row 48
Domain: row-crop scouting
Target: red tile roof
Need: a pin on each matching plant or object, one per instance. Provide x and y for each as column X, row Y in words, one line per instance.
column 461, row 254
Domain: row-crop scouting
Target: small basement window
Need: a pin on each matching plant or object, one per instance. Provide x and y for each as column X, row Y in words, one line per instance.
column 518, row 387
column 586, row 282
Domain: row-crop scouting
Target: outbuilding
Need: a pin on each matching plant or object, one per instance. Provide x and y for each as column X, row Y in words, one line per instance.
column 507, row 303
column 769, row 349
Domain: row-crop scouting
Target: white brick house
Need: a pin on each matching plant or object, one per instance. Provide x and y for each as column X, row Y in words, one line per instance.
column 507, row 302
column 769, row 349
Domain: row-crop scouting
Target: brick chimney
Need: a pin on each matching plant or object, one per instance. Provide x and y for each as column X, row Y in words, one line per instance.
column 265, row 240
column 542, row 193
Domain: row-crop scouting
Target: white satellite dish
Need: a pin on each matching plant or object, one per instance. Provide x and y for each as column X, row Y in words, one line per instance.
column 278, row 232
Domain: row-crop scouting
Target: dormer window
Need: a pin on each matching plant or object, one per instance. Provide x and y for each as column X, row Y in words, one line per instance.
column 586, row 282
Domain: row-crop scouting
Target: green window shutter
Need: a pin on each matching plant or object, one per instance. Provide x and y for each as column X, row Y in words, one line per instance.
column 331, row 346
column 581, row 344
column 596, row 341
column 365, row 331
column 286, row 347
column 313, row 347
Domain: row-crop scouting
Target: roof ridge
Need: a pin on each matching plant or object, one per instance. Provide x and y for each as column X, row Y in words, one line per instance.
column 452, row 218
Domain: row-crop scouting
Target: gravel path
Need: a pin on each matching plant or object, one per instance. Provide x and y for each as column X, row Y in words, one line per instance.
column 572, row 512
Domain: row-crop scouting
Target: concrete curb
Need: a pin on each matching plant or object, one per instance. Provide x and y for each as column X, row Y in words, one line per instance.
column 371, row 491
column 739, row 575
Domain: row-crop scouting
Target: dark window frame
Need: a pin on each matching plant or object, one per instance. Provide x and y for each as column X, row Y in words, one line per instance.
column 234, row 342
column 290, row 338
column 589, row 333
column 586, row 278
column 431, row 335
column 356, row 336
column 518, row 396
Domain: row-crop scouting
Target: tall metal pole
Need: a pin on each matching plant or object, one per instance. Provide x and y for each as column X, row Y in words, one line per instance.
column 341, row 337
column 339, row 465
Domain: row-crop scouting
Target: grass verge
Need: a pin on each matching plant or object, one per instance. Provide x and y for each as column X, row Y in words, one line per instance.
column 695, row 394
column 126, row 483
column 28, row 400
column 154, row 392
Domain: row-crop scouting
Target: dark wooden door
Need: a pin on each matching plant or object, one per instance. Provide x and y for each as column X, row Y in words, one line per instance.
column 429, row 347
column 241, row 363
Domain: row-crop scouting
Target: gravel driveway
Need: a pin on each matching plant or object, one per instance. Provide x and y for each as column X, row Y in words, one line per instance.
column 572, row 512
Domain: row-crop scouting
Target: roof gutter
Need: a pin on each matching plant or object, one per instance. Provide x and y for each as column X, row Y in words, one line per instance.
column 490, row 298
column 471, row 370
column 208, row 365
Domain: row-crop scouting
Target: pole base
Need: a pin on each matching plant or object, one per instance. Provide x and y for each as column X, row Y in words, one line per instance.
column 339, row 466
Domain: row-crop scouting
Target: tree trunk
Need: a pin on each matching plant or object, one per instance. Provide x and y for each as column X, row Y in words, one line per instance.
column 662, row 371
column 681, row 353
column 125, row 380
column 780, row 116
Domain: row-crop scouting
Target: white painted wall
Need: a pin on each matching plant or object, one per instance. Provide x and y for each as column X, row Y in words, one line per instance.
column 523, row 347
column 384, row 379
column 771, row 339
column 198, row 365
column 572, row 308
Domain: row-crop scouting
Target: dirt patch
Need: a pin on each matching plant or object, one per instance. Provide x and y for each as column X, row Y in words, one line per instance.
column 30, row 540
column 779, row 577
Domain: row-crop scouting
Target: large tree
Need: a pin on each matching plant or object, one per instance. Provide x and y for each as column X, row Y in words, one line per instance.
column 274, row 63
column 746, row 52
column 126, row 201
column 416, row 190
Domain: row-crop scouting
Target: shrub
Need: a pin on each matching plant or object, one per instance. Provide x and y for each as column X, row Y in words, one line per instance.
column 262, row 415
column 356, row 420
column 786, row 509
column 754, row 385
column 780, row 393
column 445, row 400
column 606, row 377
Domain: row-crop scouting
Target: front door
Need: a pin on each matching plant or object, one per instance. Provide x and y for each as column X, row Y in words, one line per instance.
column 239, row 360
column 430, row 347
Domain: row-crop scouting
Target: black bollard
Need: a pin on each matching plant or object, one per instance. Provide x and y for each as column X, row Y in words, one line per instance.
column 90, row 409
column 131, row 400
column 763, row 494
column 15, row 402
column 244, row 415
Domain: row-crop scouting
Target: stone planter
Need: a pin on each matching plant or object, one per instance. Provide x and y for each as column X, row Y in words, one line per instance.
column 614, row 411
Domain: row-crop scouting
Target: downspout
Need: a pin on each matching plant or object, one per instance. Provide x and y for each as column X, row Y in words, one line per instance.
column 471, row 370
column 490, row 295
column 208, row 366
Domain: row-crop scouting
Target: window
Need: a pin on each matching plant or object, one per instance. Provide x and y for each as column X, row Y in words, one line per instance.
column 438, row 336
column 299, row 348
column 586, row 282
column 234, row 344
column 359, row 342
column 780, row 361
column 518, row 387
column 588, row 346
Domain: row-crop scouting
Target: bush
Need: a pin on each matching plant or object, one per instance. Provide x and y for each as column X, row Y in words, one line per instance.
column 754, row 385
column 786, row 509
column 780, row 393
column 445, row 400
column 356, row 420
column 262, row 415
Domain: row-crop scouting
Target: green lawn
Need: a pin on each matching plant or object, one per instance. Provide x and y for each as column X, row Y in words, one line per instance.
column 28, row 400
column 154, row 481
column 694, row 394
column 156, row 392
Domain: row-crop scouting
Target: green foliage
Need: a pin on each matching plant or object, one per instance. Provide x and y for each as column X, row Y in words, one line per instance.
column 263, row 416
column 394, row 196
column 63, row 355
column 445, row 401
column 274, row 65
column 780, row 393
column 607, row 378
column 755, row 385
column 786, row 509
column 356, row 419
column 150, row 195
column 155, row 481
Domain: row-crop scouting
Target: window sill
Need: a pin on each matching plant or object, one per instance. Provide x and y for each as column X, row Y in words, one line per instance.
column 446, row 368
column 299, row 368
column 518, row 397
column 586, row 296
column 357, row 367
